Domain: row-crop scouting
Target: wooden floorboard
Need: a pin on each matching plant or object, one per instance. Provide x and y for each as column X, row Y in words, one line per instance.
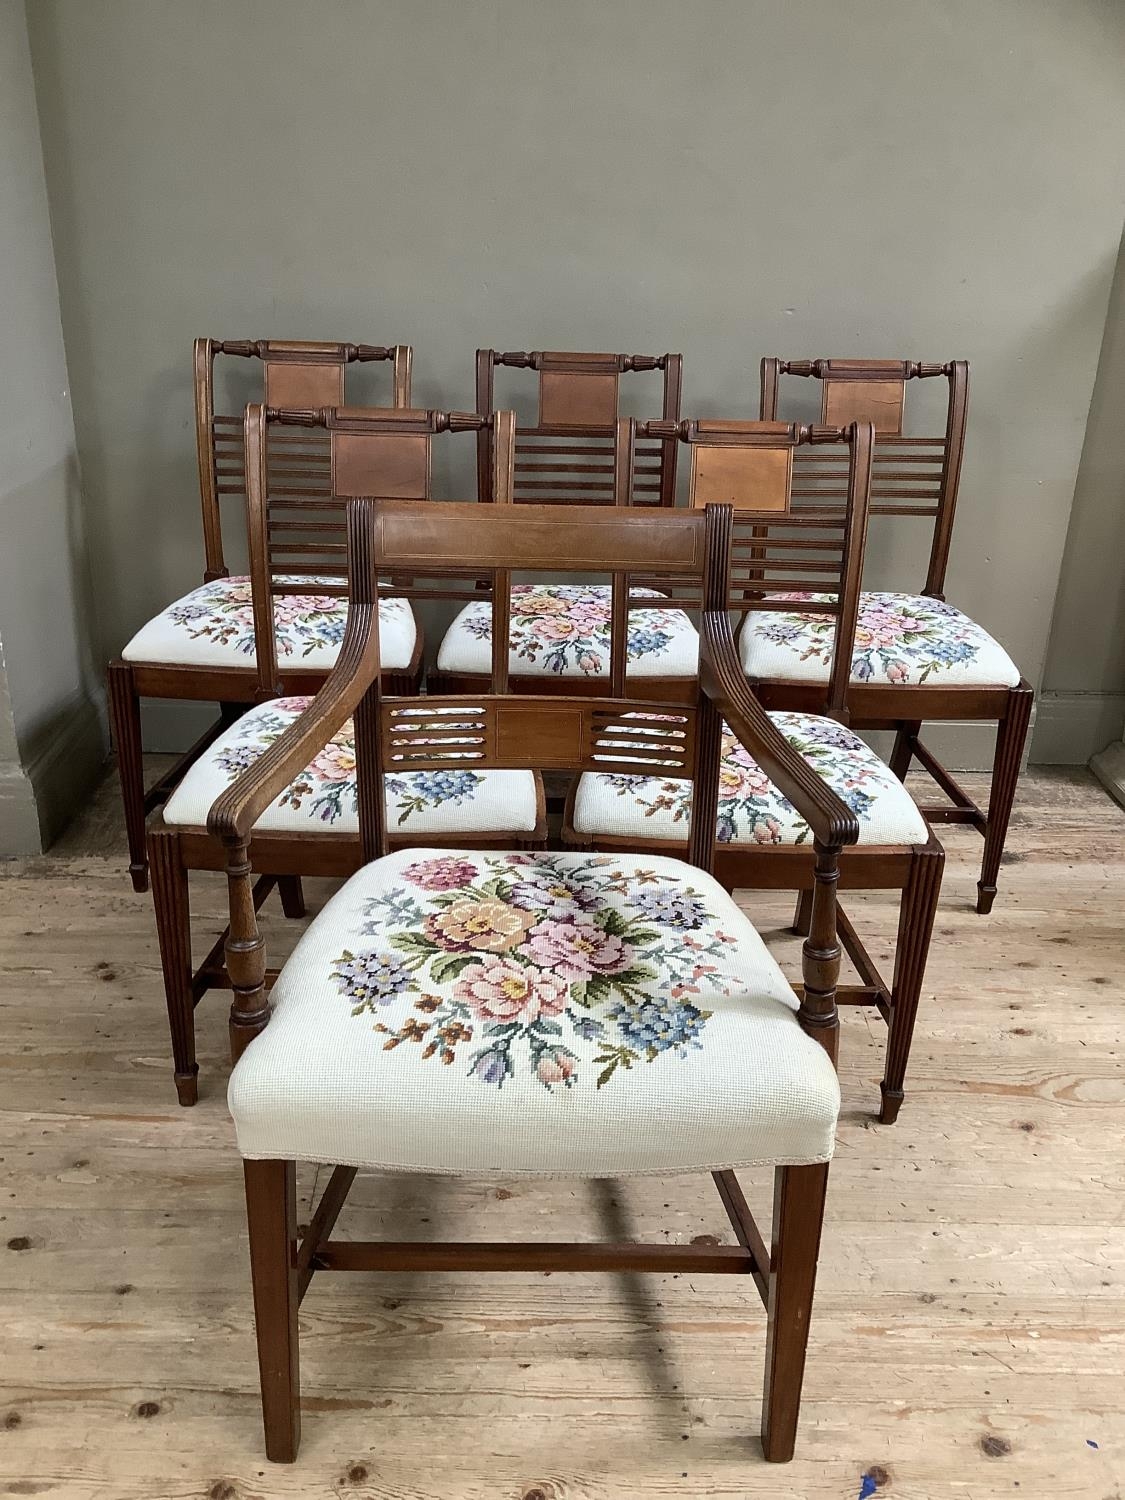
column 969, row 1333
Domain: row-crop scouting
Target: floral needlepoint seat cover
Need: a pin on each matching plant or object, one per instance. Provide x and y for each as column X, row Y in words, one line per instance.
column 323, row 798
column 751, row 809
column 563, row 630
column 539, row 1013
column 213, row 626
column 904, row 639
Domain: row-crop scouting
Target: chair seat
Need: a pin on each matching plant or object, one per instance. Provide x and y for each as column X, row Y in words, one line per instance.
column 213, row 626
column 751, row 809
column 902, row 639
column 323, row 798
column 563, row 630
column 531, row 1013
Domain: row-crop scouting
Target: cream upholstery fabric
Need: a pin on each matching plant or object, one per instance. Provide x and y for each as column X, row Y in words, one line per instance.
column 559, row 1014
column 323, row 797
column 905, row 639
column 563, row 630
column 751, row 809
column 213, row 626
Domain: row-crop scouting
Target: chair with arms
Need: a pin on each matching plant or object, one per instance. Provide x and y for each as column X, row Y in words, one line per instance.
column 517, row 1013
column 916, row 657
column 202, row 646
column 312, row 827
column 560, row 631
column 762, row 841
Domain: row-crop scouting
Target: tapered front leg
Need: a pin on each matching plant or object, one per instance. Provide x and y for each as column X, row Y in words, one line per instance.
column 798, row 1215
column 1010, row 736
column 292, row 895
column 802, row 916
column 271, row 1216
column 917, row 910
column 173, row 931
column 903, row 752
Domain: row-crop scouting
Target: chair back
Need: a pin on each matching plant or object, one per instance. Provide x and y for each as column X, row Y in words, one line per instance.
column 786, row 543
column 296, row 509
column 566, row 457
column 912, row 475
column 583, row 730
column 294, row 373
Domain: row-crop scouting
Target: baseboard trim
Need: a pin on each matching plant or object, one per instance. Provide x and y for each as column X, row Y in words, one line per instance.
column 19, row 816
column 1071, row 727
column 65, row 764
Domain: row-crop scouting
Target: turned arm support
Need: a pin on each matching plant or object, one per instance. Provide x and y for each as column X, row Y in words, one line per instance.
column 833, row 824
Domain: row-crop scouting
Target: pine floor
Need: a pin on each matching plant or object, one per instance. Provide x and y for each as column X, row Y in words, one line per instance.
column 969, row 1333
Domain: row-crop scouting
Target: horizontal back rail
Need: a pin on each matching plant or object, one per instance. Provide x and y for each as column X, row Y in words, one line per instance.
column 466, row 536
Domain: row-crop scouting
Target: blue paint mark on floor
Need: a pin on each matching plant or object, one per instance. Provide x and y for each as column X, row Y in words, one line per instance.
column 1090, row 1443
column 867, row 1487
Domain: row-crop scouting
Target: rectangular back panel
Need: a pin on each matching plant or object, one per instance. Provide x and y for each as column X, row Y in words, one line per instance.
column 877, row 401
column 394, row 465
column 748, row 478
column 581, row 401
column 301, row 385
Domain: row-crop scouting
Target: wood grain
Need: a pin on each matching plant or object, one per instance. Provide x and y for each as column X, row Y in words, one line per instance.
column 972, row 1280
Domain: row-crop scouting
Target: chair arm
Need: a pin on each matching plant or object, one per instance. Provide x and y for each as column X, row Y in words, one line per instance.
column 721, row 676
column 238, row 808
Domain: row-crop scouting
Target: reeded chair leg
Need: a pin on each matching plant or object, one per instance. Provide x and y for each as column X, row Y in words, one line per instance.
column 798, row 1216
column 271, row 1216
column 917, row 909
column 292, row 895
column 1010, row 736
column 173, row 931
column 125, row 724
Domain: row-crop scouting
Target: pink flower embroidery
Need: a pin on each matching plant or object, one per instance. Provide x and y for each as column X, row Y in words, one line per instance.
column 554, row 1067
column 446, row 874
column 502, row 990
column 336, row 762
column 557, row 628
column 577, row 948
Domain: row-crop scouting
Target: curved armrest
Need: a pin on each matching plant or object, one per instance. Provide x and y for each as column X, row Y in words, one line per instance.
column 238, row 808
column 832, row 821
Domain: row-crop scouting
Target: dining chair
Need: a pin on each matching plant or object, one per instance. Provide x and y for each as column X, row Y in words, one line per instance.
column 917, row 658
column 762, row 842
column 560, row 631
column 312, row 827
column 514, row 1013
column 202, row 646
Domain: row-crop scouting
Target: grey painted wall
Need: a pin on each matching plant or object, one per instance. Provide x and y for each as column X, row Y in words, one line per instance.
column 730, row 178
column 51, row 740
column 1083, row 703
